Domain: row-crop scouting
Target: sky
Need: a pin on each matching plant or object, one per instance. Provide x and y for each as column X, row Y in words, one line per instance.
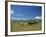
column 21, row 12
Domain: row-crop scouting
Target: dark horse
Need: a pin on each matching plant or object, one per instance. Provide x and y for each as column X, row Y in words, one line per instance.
column 31, row 23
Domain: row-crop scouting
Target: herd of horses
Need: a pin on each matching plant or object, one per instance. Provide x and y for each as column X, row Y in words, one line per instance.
column 29, row 23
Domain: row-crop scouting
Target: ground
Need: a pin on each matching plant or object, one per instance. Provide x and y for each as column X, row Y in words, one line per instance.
column 17, row 26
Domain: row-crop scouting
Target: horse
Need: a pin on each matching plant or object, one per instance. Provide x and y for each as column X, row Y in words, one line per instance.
column 31, row 23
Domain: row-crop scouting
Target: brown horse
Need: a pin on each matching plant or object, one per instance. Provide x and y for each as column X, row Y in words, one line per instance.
column 31, row 23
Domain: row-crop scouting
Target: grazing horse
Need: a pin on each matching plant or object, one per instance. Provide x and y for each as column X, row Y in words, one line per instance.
column 31, row 23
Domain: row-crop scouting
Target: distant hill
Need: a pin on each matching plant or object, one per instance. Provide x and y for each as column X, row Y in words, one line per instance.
column 33, row 20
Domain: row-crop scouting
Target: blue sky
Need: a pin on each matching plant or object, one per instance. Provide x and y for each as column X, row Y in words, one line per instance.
column 25, row 12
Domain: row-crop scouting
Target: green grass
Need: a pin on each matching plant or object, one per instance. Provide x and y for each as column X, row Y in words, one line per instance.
column 23, row 26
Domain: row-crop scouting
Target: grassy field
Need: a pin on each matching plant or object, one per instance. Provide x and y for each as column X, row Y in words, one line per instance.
column 17, row 26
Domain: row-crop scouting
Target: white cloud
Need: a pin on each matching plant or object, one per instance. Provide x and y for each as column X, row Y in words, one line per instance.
column 11, row 11
column 16, row 18
column 37, row 17
column 19, row 15
column 19, row 18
